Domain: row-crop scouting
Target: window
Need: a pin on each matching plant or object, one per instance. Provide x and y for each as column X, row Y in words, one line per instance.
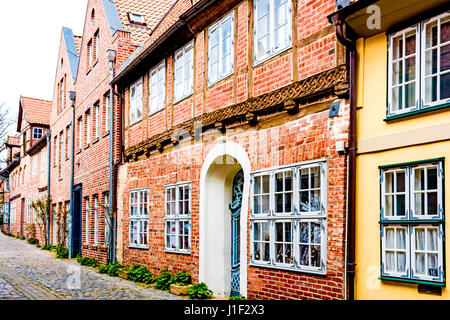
column 55, row 151
column 184, row 67
column 35, row 213
column 34, row 168
column 139, row 218
column 13, row 212
column 43, row 155
column 412, row 221
column 29, row 210
column 90, row 54
column 96, row 45
column 37, row 133
column 86, row 229
column 136, row 102
column 157, row 87
column 221, row 49
column 88, row 127
column 80, row 133
column 107, row 218
column 107, row 111
column 136, row 18
column 419, row 66
column 272, row 28
column 288, row 218
column 95, row 219
column 61, row 154
column 97, row 120
column 67, row 141
column 178, row 218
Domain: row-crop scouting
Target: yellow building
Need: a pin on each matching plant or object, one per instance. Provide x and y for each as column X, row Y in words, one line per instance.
column 402, row 106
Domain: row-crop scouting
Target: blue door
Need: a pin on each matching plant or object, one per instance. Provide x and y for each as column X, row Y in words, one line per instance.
column 235, row 208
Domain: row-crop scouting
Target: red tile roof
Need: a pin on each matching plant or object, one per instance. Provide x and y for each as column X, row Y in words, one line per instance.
column 36, row 111
column 153, row 11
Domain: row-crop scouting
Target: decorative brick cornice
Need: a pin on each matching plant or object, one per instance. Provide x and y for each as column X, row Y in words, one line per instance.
column 333, row 81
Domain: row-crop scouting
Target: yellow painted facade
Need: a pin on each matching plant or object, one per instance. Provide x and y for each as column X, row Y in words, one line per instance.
column 371, row 102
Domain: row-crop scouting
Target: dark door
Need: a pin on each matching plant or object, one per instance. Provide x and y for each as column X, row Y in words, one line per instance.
column 235, row 208
column 76, row 221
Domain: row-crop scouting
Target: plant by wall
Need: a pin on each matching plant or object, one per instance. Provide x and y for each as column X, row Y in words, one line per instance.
column 140, row 274
column 61, row 252
column 87, row 261
column 63, row 226
column 199, row 291
column 41, row 207
column 33, row 241
column 163, row 281
column 181, row 278
column 109, row 215
column 31, row 228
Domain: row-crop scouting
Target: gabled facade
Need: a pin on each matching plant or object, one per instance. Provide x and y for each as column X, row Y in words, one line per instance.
column 234, row 167
column 109, row 25
column 28, row 169
column 402, row 90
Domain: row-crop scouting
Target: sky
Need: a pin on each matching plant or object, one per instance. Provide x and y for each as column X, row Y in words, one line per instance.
column 30, row 32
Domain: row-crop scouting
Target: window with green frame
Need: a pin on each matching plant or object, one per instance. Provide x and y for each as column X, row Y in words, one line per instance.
column 412, row 222
column 419, row 66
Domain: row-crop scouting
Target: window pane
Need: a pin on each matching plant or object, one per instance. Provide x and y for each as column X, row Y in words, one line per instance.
column 266, row 184
column 420, row 263
column 410, row 42
column 431, row 34
column 265, row 204
column 401, row 262
column 401, row 181
column 304, row 255
column 397, row 99
column 431, row 89
column 390, row 261
column 390, row 238
column 401, row 236
column 397, row 45
column 433, row 265
column 420, row 239
column 432, row 238
column 410, row 95
column 445, row 80
column 315, row 177
column 304, row 232
column 304, row 179
column 315, row 232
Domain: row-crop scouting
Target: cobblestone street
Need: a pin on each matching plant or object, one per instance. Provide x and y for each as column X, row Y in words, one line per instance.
column 29, row 273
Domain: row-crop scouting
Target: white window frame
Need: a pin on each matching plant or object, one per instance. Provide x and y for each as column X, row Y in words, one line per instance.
column 394, row 171
column 97, row 120
column 407, row 251
column 403, row 59
column 34, row 166
column 256, row 33
column 218, row 27
column 29, row 210
column 107, row 111
column 177, row 217
column 135, row 102
column 87, row 219
column 139, row 217
column 95, row 219
column 420, row 81
column 412, row 221
column 136, row 18
column 155, row 79
column 179, row 89
column 13, row 212
column 43, row 160
column 295, row 218
column 80, row 133
column 438, row 63
column 37, row 133
column 88, row 127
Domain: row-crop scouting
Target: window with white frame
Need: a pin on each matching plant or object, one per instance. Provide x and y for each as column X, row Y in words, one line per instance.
column 412, row 220
column 221, row 49
column 34, row 166
column 37, row 133
column 157, row 87
column 35, row 213
column 29, row 210
column 184, row 69
column 97, row 120
column 178, row 218
column 107, row 108
column 43, row 155
column 139, row 218
column 88, row 127
column 13, row 212
column 272, row 29
column 419, row 66
column 80, row 133
column 289, row 217
column 86, row 201
column 107, row 217
column 95, row 219
column 136, row 102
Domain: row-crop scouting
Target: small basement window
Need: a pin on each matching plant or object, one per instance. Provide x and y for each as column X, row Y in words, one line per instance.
column 136, row 18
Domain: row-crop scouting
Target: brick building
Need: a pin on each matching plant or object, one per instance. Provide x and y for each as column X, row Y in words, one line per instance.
column 109, row 25
column 27, row 165
column 231, row 167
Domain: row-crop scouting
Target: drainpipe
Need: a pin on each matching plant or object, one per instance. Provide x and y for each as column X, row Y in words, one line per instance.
column 112, row 245
column 72, row 97
column 48, row 135
column 7, row 187
column 350, row 44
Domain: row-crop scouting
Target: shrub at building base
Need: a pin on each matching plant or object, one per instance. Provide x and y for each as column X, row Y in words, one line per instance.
column 62, row 252
column 122, row 273
column 181, row 283
column 140, row 274
column 163, row 281
column 87, row 261
column 33, row 241
column 199, row 291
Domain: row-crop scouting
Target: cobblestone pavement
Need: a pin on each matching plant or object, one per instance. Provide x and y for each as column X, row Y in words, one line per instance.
column 29, row 273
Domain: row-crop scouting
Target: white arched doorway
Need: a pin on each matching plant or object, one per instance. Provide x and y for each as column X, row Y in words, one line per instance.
column 221, row 165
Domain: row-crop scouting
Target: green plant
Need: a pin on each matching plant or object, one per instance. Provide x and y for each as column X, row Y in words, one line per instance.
column 181, row 278
column 163, row 281
column 47, row 247
column 41, row 207
column 238, row 298
column 199, row 291
column 33, row 241
column 140, row 274
column 103, row 269
column 113, row 268
column 87, row 261
column 61, row 252
column 38, row 245
column 21, row 237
